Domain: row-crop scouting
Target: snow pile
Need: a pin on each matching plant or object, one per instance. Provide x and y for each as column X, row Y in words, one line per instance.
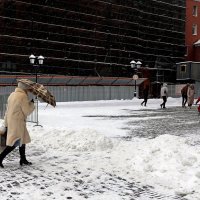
column 87, row 140
column 83, row 140
column 166, row 161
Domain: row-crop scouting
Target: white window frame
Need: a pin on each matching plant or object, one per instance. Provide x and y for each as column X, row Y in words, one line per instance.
column 183, row 68
column 194, row 29
column 195, row 11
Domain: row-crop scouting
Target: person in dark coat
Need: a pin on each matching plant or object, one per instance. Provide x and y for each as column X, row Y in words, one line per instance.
column 145, row 94
column 184, row 94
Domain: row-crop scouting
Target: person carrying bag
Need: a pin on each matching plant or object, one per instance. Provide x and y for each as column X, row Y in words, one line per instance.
column 18, row 108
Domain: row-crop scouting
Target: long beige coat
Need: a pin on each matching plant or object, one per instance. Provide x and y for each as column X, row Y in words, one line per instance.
column 190, row 95
column 18, row 108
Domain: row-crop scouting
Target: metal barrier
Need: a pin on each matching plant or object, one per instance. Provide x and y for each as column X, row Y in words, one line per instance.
column 3, row 102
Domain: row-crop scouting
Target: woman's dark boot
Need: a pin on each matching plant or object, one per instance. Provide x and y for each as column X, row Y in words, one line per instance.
column 23, row 160
column 4, row 153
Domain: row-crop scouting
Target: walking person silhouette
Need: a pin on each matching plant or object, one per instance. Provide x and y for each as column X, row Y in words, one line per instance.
column 164, row 95
column 145, row 95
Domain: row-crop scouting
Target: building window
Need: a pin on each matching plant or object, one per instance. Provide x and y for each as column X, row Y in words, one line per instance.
column 183, row 68
column 194, row 29
column 195, row 11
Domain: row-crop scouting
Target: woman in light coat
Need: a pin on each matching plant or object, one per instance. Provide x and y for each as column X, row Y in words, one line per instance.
column 190, row 95
column 18, row 108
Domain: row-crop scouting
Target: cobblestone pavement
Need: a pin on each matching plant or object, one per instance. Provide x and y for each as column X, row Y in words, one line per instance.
column 16, row 179
column 148, row 123
column 18, row 183
column 177, row 121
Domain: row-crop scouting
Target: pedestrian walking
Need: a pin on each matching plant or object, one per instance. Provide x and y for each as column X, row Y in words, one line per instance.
column 164, row 95
column 190, row 95
column 145, row 95
column 18, row 108
column 184, row 94
column 198, row 108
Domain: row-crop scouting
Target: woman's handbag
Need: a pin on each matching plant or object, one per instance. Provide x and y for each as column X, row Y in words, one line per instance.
column 2, row 130
column 3, row 135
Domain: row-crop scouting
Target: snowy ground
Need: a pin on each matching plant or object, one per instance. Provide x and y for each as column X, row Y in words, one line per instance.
column 108, row 150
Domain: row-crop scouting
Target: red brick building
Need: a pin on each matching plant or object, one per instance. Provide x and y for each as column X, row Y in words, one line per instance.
column 192, row 34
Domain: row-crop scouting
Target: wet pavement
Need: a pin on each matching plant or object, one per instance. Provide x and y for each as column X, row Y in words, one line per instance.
column 175, row 121
column 150, row 123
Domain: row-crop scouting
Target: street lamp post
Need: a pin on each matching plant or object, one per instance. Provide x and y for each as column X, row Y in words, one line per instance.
column 135, row 66
column 36, row 62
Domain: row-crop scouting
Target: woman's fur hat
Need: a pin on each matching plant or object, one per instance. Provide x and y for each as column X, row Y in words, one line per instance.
column 23, row 86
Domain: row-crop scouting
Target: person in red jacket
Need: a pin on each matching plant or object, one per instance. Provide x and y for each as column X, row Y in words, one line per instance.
column 198, row 108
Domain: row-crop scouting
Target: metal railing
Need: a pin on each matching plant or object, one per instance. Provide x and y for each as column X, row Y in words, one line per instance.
column 3, row 104
column 3, row 100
